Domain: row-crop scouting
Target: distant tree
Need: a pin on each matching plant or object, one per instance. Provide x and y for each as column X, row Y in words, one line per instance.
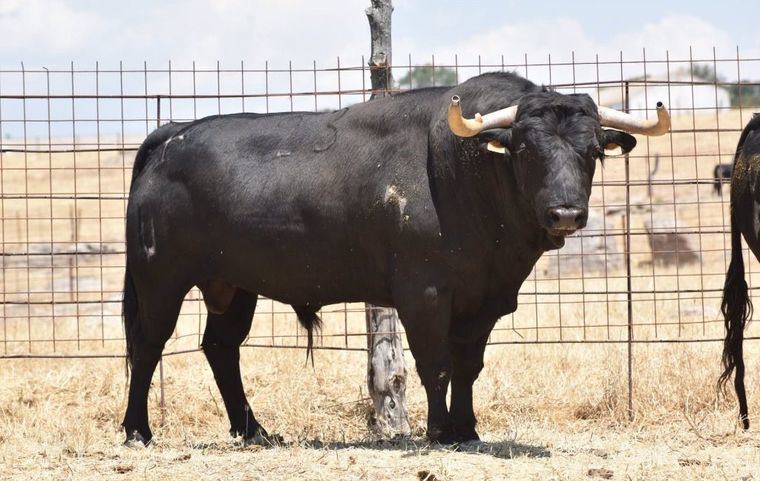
column 739, row 95
column 427, row 76
column 744, row 95
column 705, row 73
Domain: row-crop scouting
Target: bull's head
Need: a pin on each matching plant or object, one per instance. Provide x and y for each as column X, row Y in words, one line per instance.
column 553, row 142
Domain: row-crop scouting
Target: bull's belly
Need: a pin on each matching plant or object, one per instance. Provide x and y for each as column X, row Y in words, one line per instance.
column 301, row 274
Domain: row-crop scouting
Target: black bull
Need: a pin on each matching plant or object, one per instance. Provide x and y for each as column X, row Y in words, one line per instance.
column 379, row 203
column 745, row 221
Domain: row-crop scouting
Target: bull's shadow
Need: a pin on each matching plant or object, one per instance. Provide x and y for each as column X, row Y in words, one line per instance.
column 506, row 449
column 410, row 446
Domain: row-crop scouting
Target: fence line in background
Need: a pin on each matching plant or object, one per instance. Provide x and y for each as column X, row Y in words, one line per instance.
column 648, row 268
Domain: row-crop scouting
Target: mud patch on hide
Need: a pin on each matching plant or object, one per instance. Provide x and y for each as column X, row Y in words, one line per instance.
column 147, row 233
column 394, row 197
column 329, row 135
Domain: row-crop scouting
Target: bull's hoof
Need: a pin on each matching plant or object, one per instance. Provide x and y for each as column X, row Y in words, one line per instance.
column 265, row 440
column 466, row 435
column 452, row 436
column 441, row 435
column 135, row 440
column 261, row 437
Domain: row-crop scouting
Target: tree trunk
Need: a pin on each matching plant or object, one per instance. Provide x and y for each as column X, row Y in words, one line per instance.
column 386, row 370
column 379, row 16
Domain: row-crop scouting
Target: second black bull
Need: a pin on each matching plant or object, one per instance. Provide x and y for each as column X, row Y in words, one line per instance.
column 400, row 201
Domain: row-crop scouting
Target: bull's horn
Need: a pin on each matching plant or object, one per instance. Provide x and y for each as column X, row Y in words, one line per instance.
column 623, row 121
column 470, row 127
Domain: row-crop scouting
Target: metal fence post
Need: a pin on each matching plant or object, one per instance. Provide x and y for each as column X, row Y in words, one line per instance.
column 627, row 226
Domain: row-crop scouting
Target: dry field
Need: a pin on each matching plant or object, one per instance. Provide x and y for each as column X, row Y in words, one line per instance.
column 546, row 411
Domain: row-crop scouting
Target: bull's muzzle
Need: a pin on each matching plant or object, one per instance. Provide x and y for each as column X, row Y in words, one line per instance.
column 565, row 220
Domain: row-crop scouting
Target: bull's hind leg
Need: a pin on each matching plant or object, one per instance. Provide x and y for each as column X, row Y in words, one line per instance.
column 224, row 333
column 157, row 316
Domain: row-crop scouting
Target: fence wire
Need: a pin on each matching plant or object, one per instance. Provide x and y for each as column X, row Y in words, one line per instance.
column 648, row 268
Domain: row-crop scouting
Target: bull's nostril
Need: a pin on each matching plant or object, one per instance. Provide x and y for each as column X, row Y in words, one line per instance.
column 566, row 218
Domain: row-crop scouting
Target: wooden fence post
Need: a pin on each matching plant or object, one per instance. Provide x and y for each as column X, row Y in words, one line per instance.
column 379, row 16
column 386, row 370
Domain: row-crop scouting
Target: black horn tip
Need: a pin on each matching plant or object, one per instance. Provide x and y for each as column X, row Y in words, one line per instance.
column 659, row 104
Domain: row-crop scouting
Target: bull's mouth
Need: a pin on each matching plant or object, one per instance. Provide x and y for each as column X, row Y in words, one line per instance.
column 557, row 236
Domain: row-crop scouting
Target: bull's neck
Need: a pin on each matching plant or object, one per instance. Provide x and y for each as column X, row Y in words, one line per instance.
column 519, row 234
column 483, row 192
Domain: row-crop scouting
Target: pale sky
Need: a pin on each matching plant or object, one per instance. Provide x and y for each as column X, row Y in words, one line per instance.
column 54, row 32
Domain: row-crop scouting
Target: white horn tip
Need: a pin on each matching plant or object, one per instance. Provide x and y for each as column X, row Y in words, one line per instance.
column 455, row 100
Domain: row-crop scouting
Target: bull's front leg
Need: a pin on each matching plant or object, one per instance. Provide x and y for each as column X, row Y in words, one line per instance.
column 425, row 313
column 467, row 362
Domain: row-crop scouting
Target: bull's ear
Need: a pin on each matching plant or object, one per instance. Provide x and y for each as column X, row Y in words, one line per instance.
column 617, row 143
column 496, row 140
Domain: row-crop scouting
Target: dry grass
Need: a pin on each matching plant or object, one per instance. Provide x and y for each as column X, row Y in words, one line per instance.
column 546, row 412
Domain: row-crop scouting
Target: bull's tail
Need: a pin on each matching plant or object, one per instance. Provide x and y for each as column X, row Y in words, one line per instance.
column 737, row 311
column 129, row 304
column 718, row 180
column 129, row 311
column 310, row 321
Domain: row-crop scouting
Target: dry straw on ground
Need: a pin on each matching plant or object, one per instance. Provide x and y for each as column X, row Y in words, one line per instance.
column 546, row 412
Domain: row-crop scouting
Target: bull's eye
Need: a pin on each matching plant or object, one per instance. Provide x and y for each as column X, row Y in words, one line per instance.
column 521, row 148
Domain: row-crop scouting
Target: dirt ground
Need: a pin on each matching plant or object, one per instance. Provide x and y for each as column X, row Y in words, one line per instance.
column 545, row 412
column 530, row 451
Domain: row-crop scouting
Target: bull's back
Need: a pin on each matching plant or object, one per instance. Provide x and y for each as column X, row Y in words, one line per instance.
column 297, row 205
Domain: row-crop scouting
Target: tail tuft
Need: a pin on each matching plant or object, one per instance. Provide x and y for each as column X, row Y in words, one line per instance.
column 737, row 311
column 307, row 317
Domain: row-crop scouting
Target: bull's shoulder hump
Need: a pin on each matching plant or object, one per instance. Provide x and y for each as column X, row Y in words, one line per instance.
column 750, row 134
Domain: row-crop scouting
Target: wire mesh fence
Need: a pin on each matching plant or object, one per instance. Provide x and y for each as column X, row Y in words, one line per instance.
column 649, row 267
